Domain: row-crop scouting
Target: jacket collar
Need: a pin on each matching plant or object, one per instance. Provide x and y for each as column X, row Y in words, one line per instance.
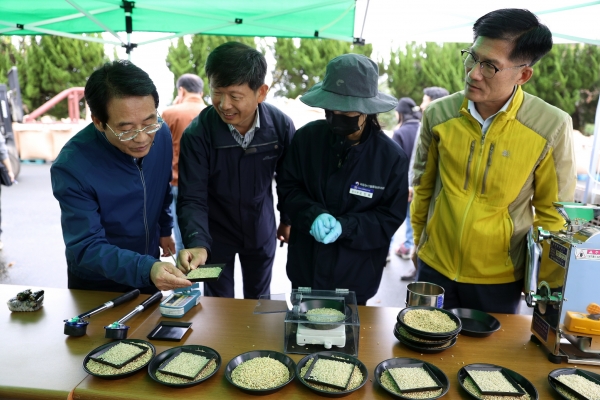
column 509, row 113
column 221, row 135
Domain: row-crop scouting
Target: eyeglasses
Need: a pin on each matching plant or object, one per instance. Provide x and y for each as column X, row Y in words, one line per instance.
column 488, row 70
column 132, row 134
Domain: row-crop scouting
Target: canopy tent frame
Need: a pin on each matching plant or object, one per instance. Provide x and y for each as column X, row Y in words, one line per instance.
column 128, row 7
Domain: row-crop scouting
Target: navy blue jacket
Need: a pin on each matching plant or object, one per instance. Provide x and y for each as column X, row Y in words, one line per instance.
column 406, row 135
column 317, row 177
column 225, row 192
column 113, row 212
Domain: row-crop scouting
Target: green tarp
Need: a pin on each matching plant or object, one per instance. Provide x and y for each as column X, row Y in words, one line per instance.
column 332, row 19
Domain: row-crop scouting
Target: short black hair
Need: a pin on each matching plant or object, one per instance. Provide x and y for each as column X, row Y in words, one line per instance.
column 235, row 63
column 531, row 39
column 116, row 79
column 191, row 82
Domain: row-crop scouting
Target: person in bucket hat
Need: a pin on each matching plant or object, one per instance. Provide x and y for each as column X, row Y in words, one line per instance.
column 343, row 184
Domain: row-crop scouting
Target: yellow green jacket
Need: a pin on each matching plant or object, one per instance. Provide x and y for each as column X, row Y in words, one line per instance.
column 474, row 197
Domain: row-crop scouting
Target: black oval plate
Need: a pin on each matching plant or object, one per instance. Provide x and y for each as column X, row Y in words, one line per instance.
column 424, row 349
column 425, row 343
column 429, row 335
column 562, row 371
column 159, row 359
column 237, row 360
column 403, row 361
column 521, row 380
column 361, row 367
column 112, row 343
column 476, row 323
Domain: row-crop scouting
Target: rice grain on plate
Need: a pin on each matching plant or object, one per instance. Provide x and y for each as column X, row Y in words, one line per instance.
column 429, row 321
column 324, row 314
column 581, row 385
column 355, row 380
column 388, row 382
column 470, row 386
column 202, row 273
column 212, row 365
column 102, row 369
column 260, row 373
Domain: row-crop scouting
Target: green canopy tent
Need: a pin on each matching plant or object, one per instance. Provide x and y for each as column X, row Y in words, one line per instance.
column 332, row 19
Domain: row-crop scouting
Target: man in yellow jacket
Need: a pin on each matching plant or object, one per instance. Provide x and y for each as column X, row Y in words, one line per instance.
column 486, row 158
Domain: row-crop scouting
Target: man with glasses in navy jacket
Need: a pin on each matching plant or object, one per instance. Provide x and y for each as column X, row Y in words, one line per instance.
column 112, row 183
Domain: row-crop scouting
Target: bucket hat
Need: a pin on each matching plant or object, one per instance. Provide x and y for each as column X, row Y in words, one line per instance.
column 350, row 84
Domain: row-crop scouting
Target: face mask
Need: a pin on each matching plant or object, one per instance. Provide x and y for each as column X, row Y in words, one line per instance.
column 340, row 124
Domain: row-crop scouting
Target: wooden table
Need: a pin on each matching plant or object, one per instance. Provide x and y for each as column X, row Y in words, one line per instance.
column 38, row 360
column 49, row 363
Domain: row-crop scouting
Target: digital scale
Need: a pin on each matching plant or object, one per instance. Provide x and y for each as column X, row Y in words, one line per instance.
column 326, row 337
column 564, row 289
column 305, row 336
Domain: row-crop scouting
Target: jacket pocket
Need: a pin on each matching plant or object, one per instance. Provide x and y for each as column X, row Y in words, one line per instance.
column 487, row 167
column 469, row 161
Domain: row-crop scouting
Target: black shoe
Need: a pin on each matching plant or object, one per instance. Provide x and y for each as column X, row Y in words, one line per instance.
column 410, row 277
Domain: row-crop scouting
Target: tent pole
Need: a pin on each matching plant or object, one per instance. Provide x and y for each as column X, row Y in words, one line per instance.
column 94, row 19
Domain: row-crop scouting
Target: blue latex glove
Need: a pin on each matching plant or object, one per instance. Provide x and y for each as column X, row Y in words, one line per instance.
column 321, row 226
column 333, row 234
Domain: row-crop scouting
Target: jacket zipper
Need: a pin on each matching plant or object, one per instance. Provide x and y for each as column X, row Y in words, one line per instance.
column 469, row 164
column 145, row 219
column 487, row 167
column 462, row 225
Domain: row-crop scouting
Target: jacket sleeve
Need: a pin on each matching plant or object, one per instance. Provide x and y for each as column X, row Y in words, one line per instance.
column 192, row 200
column 424, row 178
column 292, row 193
column 85, row 238
column 555, row 178
column 373, row 229
column 288, row 135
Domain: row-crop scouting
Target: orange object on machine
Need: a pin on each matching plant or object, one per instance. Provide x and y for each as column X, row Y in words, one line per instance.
column 579, row 322
column 593, row 308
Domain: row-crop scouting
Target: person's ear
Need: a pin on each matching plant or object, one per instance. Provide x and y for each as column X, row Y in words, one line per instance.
column 262, row 92
column 99, row 125
column 525, row 75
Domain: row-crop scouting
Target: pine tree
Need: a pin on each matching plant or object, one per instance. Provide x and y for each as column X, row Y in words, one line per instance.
column 54, row 64
column 9, row 57
column 300, row 67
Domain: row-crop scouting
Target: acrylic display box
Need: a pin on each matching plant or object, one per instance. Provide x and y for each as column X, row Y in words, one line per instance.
column 316, row 320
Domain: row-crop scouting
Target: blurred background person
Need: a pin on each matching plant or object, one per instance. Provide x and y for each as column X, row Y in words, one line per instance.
column 185, row 108
column 409, row 117
column 429, row 94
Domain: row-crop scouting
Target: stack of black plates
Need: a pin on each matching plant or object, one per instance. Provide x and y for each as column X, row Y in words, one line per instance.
column 423, row 341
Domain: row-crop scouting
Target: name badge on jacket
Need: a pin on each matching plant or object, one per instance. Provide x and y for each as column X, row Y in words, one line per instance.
column 358, row 190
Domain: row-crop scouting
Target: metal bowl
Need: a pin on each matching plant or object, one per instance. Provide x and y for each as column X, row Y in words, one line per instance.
column 113, row 343
column 159, row 359
column 354, row 360
column 237, row 360
column 402, row 362
column 312, row 304
column 424, row 294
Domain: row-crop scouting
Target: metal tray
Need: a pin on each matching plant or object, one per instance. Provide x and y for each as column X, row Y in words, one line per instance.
column 162, row 357
column 403, row 362
column 527, row 386
column 168, row 330
column 342, row 356
column 222, row 266
column 124, row 374
column 555, row 383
